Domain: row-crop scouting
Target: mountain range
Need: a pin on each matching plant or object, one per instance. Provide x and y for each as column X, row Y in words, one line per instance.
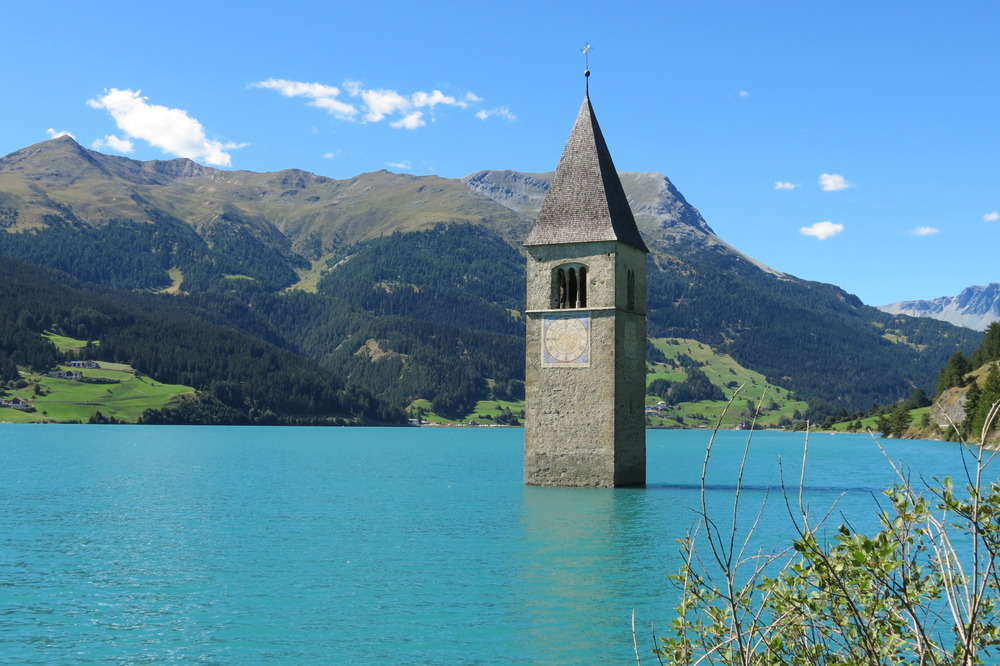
column 412, row 287
column 976, row 307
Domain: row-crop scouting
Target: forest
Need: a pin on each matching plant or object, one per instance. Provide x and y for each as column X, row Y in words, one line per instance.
column 842, row 351
column 979, row 397
column 433, row 314
column 242, row 379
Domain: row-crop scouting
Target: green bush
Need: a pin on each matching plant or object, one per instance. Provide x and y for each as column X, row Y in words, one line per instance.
column 922, row 590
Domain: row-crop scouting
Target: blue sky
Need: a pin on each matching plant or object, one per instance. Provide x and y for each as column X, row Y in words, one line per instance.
column 854, row 143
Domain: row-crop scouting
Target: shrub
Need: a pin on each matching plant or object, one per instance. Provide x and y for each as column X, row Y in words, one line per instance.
column 922, row 590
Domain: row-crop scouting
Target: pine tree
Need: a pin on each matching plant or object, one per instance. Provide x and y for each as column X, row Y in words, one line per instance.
column 954, row 373
column 8, row 369
column 989, row 394
column 971, row 404
column 989, row 349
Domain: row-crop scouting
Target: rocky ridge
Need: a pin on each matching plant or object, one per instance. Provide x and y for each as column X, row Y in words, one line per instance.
column 975, row 307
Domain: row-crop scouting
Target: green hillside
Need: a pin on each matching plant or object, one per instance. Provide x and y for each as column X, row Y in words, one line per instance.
column 289, row 295
column 678, row 358
column 125, row 397
column 238, row 378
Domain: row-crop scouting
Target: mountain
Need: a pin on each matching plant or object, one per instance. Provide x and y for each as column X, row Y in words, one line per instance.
column 976, row 307
column 59, row 183
column 413, row 286
column 811, row 337
column 661, row 212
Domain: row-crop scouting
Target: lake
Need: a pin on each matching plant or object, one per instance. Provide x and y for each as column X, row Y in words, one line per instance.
column 228, row 545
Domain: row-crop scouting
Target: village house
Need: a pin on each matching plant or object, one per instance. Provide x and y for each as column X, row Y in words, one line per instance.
column 72, row 375
column 91, row 365
column 15, row 403
column 657, row 410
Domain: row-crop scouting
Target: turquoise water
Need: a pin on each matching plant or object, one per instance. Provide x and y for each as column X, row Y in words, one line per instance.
column 216, row 545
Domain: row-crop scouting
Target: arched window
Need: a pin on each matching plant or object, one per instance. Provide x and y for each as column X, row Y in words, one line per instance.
column 569, row 288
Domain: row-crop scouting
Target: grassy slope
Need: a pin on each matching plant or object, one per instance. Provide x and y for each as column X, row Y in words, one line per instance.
column 721, row 369
column 725, row 373
column 917, row 430
column 64, row 401
column 483, row 414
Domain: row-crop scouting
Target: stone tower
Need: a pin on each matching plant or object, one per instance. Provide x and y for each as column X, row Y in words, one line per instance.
column 586, row 329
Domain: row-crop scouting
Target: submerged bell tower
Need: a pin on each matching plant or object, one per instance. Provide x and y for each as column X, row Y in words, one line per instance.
column 585, row 361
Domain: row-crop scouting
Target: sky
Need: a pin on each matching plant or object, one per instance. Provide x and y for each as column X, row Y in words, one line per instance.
column 852, row 143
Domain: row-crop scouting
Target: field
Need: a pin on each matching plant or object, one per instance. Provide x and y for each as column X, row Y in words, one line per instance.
column 67, row 401
column 725, row 373
column 125, row 397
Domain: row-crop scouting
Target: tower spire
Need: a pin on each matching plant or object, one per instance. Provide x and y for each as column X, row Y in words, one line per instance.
column 586, row 201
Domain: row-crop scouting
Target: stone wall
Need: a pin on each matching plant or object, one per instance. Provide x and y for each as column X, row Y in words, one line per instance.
column 584, row 422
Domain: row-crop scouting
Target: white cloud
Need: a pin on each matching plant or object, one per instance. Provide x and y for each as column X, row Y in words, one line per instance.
column 376, row 104
column 335, row 107
column 381, row 103
column 436, row 97
column 501, row 111
column 410, row 121
column 114, row 143
column 319, row 95
column 925, row 231
column 784, row 185
column 53, row 134
column 822, row 230
column 832, row 182
column 744, row 93
column 353, row 87
column 171, row 130
column 399, row 165
column 992, row 217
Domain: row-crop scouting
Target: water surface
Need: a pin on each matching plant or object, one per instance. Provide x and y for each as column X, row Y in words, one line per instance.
column 219, row 545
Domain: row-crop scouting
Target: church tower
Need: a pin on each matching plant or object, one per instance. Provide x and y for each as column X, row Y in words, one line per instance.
column 586, row 325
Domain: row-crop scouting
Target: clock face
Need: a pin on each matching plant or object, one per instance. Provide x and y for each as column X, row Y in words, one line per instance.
column 566, row 340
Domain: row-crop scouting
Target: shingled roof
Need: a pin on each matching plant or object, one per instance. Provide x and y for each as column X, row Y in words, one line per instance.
column 585, row 201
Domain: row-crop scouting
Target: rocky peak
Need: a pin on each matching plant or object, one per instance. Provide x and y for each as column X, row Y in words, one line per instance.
column 975, row 307
column 520, row 192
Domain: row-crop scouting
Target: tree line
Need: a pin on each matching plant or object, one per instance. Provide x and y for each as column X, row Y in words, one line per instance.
column 232, row 371
column 979, row 398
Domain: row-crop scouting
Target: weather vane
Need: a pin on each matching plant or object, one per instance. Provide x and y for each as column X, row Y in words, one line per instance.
column 587, row 48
